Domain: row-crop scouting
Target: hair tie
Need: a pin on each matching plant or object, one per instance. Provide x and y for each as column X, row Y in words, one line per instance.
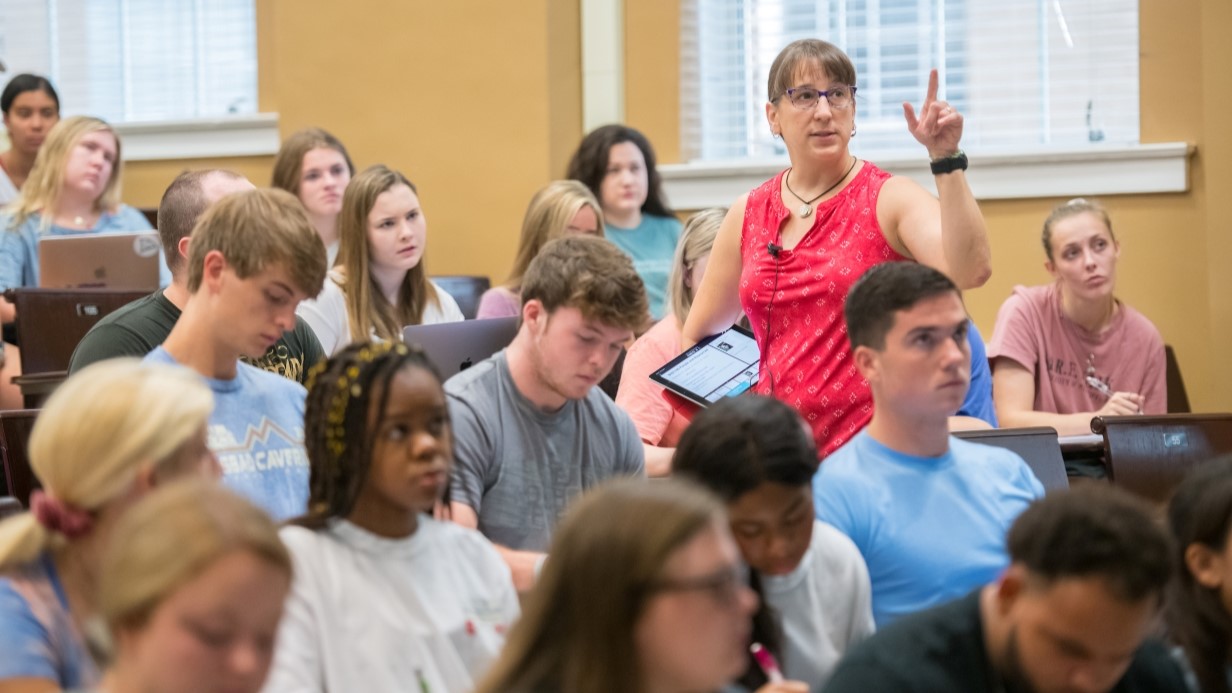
column 58, row 516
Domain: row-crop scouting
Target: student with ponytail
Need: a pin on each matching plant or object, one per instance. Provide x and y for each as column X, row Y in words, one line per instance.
column 106, row 437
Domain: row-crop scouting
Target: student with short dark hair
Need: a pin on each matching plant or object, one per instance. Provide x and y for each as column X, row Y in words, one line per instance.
column 138, row 327
column 758, row 457
column 437, row 598
column 252, row 259
column 1072, row 612
column 1199, row 611
column 928, row 511
column 532, row 428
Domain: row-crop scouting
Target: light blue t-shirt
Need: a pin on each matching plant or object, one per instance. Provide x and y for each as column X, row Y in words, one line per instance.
column 931, row 529
column 978, row 403
column 257, row 432
column 37, row 636
column 652, row 244
column 19, row 258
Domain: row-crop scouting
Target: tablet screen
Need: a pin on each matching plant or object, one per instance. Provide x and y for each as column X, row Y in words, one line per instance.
column 722, row 365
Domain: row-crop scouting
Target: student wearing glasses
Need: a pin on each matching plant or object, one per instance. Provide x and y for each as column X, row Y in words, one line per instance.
column 789, row 251
column 1068, row 351
column 658, row 601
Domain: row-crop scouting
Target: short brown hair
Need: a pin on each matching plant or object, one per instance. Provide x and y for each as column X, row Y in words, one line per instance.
column 808, row 52
column 182, row 205
column 254, row 230
column 590, row 274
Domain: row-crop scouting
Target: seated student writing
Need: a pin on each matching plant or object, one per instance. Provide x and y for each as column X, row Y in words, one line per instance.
column 385, row 597
column 759, row 458
column 191, row 590
column 1069, row 351
column 928, row 511
column 105, row 438
column 379, row 285
column 252, row 259
column 533, row 429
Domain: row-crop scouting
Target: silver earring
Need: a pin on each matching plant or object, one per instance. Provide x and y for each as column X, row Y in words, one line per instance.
column 853, row 131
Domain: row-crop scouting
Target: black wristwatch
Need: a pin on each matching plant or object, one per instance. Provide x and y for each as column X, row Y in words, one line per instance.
column 948, row 164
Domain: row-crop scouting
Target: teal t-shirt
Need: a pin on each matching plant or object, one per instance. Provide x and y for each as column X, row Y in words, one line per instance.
column 651, row 245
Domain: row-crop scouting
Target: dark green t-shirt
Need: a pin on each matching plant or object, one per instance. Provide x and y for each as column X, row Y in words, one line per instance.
column 138, row 327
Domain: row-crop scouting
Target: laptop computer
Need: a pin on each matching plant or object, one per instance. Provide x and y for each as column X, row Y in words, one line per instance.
column 722, row 365
column 455, row 346
column 100, row 261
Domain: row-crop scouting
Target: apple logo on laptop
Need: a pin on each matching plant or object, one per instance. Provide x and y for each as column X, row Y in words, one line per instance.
column 465, row 364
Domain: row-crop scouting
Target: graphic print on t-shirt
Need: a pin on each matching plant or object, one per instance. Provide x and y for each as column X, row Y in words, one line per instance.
column 266, row 446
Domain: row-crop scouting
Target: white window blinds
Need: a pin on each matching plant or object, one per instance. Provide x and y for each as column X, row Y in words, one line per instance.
column 137, row 60
column 1024, row 73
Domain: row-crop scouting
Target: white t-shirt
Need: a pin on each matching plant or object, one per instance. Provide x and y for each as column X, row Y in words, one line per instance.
column 327, row 314
column 366, row 613
column 825, row 606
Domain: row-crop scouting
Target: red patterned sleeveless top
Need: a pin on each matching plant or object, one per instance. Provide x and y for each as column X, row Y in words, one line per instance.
column 795, row 302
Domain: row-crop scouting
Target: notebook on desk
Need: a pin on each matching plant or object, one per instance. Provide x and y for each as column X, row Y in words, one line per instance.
column 127, row 261
column 455, row 346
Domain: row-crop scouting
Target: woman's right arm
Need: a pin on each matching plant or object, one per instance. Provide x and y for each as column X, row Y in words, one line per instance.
column 1013, row 391
column 716, row 305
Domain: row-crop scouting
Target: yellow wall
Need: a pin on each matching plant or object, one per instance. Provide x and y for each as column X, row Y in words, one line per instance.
column 480, row 104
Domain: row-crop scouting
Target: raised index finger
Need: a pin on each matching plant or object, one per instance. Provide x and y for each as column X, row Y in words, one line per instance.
column 932, row 88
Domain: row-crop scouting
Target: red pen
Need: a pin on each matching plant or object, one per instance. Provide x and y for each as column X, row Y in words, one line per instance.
column 765, row 659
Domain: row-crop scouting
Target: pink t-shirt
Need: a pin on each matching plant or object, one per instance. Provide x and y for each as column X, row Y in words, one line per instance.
column 498, row 302
column 657, row 422
column 1127, row 356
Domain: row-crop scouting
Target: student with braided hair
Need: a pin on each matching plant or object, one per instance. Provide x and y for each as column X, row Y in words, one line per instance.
column 437, row 598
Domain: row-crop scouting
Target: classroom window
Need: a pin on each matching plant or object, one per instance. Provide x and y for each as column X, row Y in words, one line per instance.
column 1025, row 74
column 137, row 60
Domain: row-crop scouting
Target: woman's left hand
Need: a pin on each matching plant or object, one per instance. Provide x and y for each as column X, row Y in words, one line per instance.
column 939, row 126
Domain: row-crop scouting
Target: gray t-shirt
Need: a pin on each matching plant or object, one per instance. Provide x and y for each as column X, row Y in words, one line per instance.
column 519, row 467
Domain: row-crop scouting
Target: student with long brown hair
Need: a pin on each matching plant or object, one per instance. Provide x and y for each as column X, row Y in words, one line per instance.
column 379, row 284
column 314, row 166
column 644, row 591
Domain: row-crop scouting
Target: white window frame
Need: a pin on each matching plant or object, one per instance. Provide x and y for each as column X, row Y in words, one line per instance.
column 1007, row 174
